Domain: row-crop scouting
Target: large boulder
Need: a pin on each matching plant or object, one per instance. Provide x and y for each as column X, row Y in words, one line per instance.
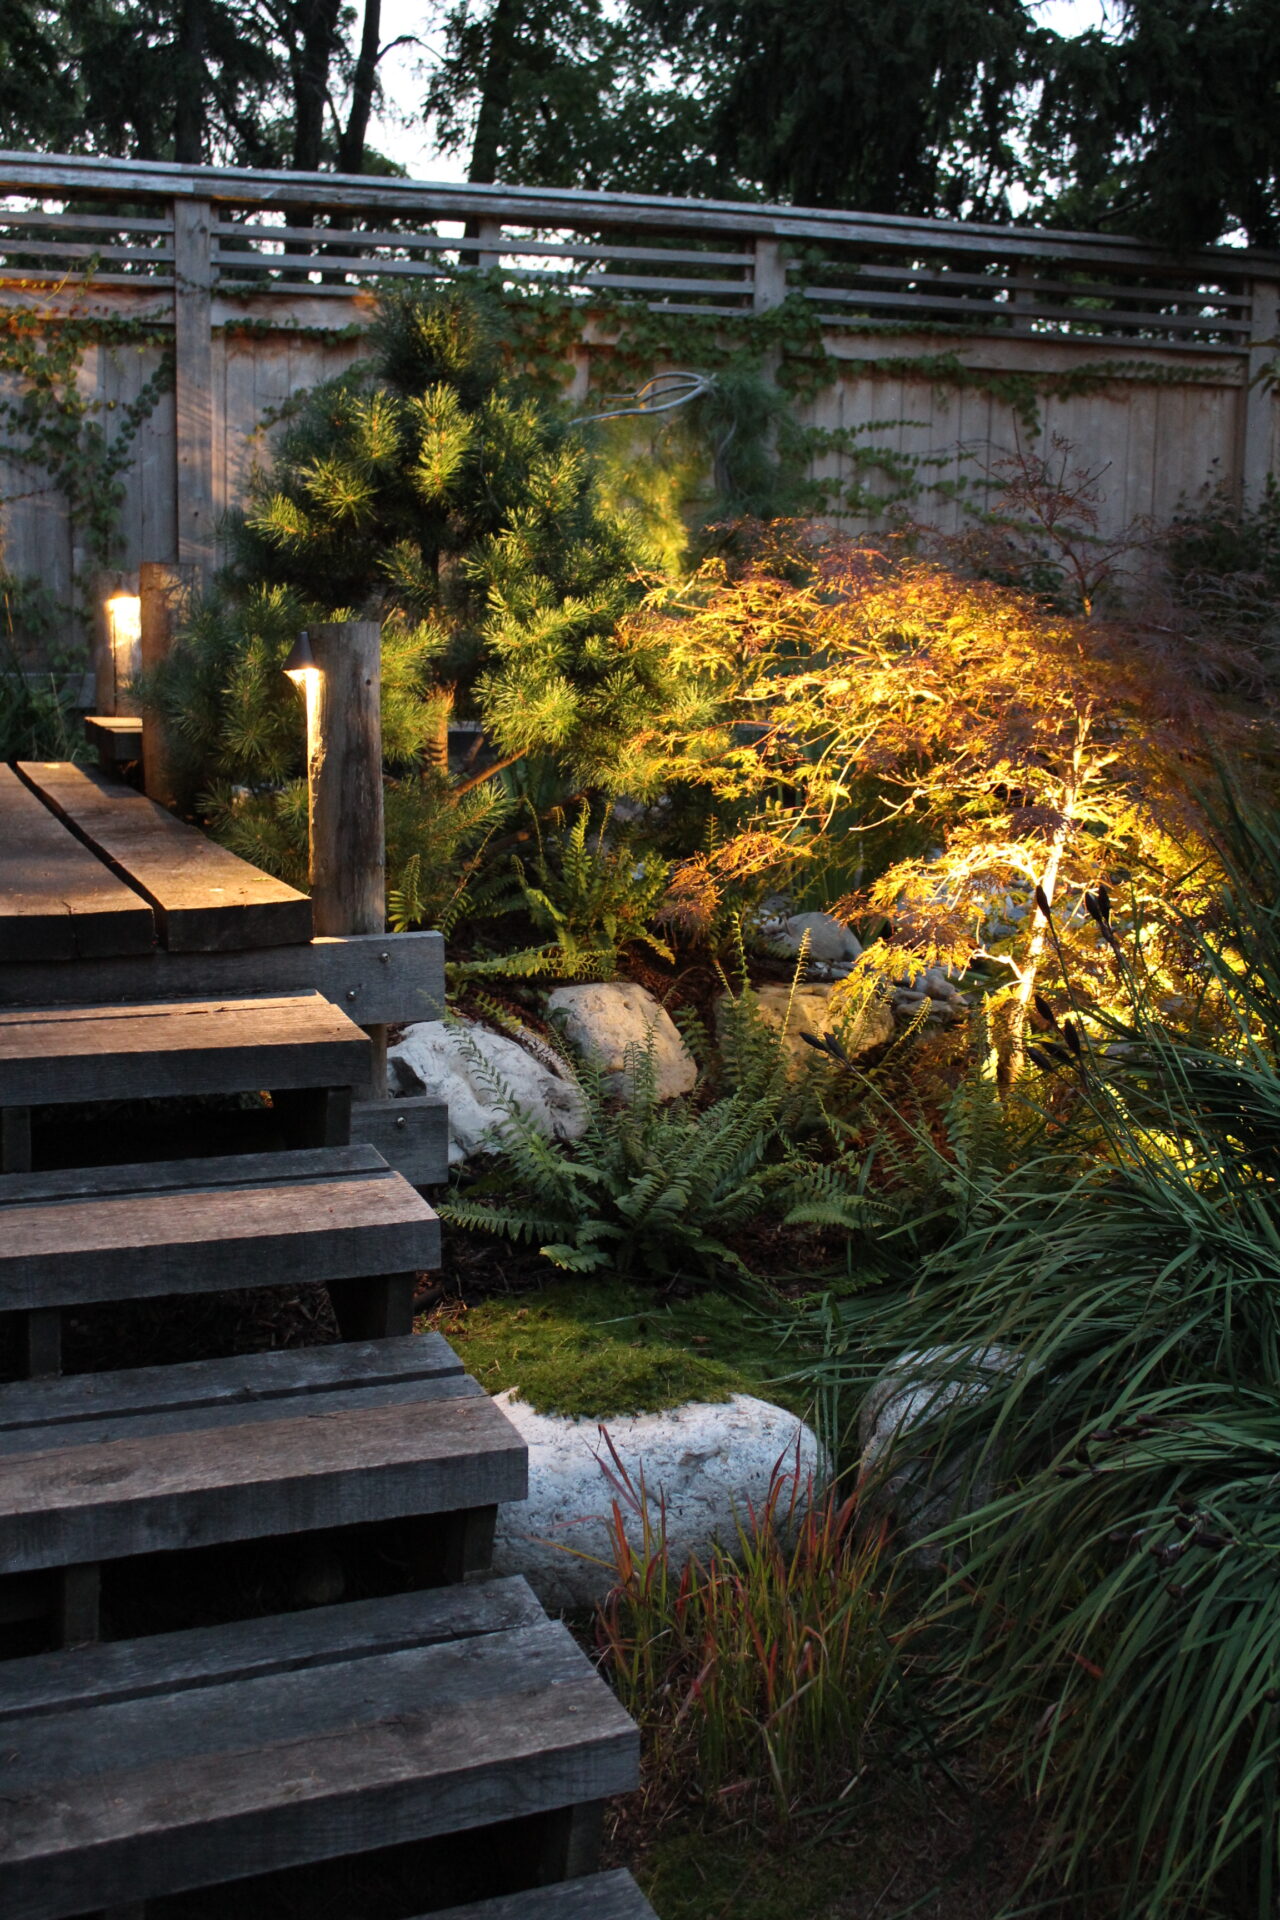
column 477, row 1072
column 810, row 1011
column 602, row 1021
column 708, row 1462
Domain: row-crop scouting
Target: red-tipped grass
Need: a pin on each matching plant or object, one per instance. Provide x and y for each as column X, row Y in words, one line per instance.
column 752, row 1672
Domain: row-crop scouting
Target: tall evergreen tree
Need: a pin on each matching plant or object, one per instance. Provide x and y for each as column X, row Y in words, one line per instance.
column 1166, row 123
column 570, row 93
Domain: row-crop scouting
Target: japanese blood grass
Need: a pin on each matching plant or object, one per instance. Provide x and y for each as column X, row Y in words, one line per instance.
column 1112, row 1610
column 753, row 1672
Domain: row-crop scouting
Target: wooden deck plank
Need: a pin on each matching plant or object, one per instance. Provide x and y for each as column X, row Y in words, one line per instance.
column 52, row 1055
column 243, row 1380
column 249, row 1649
column 268, row 1772
column 204, row 897
column 336, row 1467
column 57, row 899
column 130, row 1243
column 597, row 1896
column 379, row 979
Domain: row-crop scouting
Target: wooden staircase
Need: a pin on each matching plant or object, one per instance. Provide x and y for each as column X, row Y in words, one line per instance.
column 194, row 1732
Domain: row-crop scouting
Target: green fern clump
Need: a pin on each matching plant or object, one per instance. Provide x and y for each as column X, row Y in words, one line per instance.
column 652, row 1188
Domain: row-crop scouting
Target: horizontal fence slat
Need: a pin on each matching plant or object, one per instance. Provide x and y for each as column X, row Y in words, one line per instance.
column 84, row 222
column 81, row 250
column 504, row 245
column 946, row 277
column 964, row 307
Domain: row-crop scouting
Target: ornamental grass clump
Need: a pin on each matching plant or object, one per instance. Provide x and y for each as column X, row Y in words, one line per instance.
column 753, row 1671
column 1110, row 1610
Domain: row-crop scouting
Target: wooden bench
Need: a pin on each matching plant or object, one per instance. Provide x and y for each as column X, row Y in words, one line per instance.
column 154, row 1460
column 596, row 1896
column 190, row 1760
column 336, row 1215
column 298, row 1046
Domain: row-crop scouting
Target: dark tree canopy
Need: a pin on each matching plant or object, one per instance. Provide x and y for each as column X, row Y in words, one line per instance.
column 1168, row 124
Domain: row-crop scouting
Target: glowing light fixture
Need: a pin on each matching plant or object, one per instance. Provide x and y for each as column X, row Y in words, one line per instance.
column 300, row 664
column 124, row 628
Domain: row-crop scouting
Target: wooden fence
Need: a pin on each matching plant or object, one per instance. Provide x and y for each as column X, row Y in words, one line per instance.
column 256, row 283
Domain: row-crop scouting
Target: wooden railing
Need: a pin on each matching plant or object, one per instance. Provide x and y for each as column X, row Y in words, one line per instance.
column 201, row 248
column 231, row 230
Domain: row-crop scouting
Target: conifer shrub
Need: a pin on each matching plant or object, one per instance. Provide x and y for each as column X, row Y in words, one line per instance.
column 432, row 489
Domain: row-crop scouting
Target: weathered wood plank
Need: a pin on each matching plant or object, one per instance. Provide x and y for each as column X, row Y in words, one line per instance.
column 146, row 1426
column 247, row 1379
column 131, row 1241
column 54, row 1055
column 391, row 978
column 57, row 899
column 283, row 1643
column 267, row 1772
column 599, row 1896
column 411, row 1135
column 204, row 897
column 338, row 1467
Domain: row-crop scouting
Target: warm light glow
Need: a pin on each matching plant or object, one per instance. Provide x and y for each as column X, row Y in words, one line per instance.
column 300, row 666
column 124, row 623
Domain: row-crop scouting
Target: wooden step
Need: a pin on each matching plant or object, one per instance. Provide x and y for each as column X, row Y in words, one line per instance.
column 330, row 1214
column 51, row 1056
column 57, row 900
column 202, row 896
column 595, row 1896
column 114, row 1466
column 189, row 1760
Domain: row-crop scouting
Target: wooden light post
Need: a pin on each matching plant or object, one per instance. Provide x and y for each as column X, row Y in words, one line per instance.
column 339, row 667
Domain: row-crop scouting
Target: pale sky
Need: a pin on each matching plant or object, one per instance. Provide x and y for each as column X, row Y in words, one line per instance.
column 401, row 133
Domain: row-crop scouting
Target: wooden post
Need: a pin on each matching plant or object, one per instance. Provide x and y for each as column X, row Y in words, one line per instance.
column 769, row 280
column 344, row 792
column 1259, row 400
column 164, row 592
column 344, row 778
column 193, row 381
column 103, row 582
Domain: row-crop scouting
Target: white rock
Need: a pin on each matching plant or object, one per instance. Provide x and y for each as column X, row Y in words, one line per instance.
column 923, row 1488
column 811, row 1013
column 829, row 939
column 602, row 1021
column 708, row 1462
column 441, row 1059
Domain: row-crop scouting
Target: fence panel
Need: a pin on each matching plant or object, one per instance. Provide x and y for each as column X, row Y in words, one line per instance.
column 246, row 286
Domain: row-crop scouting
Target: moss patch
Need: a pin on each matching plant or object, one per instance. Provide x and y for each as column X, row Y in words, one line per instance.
column 592, row 1349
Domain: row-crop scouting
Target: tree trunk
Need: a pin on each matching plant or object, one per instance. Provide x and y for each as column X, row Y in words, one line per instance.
column 309, row 61
column 192, row 84
column 1014, row 1052
column 495, row 91
column 351, row 146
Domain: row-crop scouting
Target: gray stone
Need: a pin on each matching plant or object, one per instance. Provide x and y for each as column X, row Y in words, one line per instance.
column 481, row 1073
column 602, row 1021
column 829, row 939
column 923, row 1487
column 707, row 1462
